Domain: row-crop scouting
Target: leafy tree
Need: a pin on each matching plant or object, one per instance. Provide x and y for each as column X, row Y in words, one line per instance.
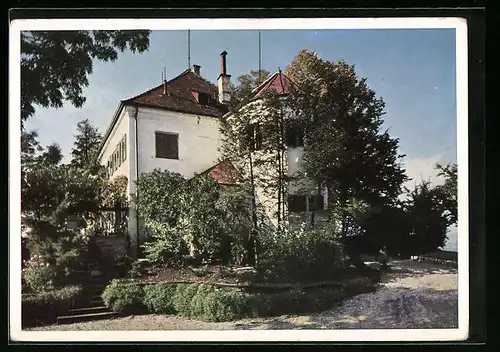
column 86, row 145
column 55, row 64
column 345, row 148
column 428, row 220
column 241, row 92
column 449, row 190
column 252, row 138
column 42, row 179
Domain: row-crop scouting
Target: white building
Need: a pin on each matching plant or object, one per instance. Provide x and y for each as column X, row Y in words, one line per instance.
column 175, row 127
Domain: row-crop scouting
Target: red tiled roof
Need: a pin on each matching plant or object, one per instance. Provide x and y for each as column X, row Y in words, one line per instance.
column 277, row 82
column 180, row 97
column 224, row 173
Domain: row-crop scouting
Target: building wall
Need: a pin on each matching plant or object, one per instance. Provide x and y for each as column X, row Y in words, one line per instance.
column 121, row 128
column 199, row 140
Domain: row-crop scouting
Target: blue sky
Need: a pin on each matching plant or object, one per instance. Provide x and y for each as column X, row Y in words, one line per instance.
column 413, row 70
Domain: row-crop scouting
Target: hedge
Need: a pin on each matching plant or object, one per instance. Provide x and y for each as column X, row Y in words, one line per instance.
column 45, row 307
column 210, row 303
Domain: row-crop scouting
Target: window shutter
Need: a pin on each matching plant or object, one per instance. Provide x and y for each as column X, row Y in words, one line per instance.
column 125, row 147
column 172, row 146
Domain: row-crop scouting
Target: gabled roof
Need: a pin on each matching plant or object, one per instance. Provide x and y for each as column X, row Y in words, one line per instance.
column 278, row 82
column 224, row 173
column 180, row 98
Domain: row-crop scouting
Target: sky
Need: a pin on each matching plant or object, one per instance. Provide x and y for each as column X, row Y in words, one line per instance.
column 413, row 70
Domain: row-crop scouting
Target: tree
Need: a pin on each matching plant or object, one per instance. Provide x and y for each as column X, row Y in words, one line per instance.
column 241, row 92
column 86, row 145
column 55, row 64
column 252, row 138
column 41, row 176
column 449, row 190
column 427, row 216
column 345, row 147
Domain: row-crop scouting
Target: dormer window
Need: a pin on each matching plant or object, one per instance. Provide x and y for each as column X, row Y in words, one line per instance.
column 202, row 98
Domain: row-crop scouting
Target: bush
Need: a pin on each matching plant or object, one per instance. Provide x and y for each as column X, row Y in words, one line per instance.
column 124, row 297
column 159, row 298
column 304, row 254
column 39, row 279
column 184, row 294
column 45, row 307
column 208, row 303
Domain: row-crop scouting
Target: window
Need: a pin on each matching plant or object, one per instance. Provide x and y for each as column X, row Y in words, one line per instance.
column 315, row 202
column 296, row 203
column 294, row 136
column 204, row 98
column 255, row 136
column 299, row 203
column 123, row 145
column 118, row 156
column 167, row 145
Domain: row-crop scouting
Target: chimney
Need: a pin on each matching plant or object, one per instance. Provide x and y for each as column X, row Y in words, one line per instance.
column 196, row 69
column 223, row 81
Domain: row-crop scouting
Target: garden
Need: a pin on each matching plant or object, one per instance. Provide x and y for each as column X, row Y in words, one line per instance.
column 195, row 262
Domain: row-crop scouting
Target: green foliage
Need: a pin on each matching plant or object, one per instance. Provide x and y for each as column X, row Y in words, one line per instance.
column 242, row 92
column 86, row 145
column 449, row 191
column 429, row 223
column 56, row 249
column 159, row 298
column 304, row 254
column 124, row 296
column 55, row 65
column 183, row 297
column 202, row 220
column 200, row 272
column 39, row 279
column 209, row 303
column 45, row 306
column 180, row 215
column 342, row 118
column 165, row 245
column 157, row 197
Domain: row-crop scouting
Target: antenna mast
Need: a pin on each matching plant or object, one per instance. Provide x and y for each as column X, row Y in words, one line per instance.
column 189, row 48
column 259, row 58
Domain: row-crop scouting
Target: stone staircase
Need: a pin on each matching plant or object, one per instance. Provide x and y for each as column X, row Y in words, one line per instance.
column 91, row 307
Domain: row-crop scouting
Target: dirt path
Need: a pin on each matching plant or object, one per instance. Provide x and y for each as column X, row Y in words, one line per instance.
column 413, row 295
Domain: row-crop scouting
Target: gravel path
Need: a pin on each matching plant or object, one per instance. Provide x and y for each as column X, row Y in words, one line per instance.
column 413, row 295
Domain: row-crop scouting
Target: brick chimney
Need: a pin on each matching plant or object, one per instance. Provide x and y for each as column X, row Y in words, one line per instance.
column 223, row 81
column 196, row 69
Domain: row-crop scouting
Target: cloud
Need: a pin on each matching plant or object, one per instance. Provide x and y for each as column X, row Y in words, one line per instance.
column 423, row 169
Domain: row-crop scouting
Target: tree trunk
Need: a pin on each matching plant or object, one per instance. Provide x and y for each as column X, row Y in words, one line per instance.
column 251, row 253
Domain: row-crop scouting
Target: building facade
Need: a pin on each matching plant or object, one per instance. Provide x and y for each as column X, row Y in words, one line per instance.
column 176, row 127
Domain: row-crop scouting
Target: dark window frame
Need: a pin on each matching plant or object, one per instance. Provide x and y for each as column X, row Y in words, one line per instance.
column 166, row 153
column 294, row 135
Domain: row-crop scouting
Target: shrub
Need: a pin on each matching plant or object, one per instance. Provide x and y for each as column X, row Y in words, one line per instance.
column 46, row 306
column 159, row 298
column 39, row 278
column 184, row 294
column 198, row 302
column 225, row 305
column 304, row 254
column 124, row 297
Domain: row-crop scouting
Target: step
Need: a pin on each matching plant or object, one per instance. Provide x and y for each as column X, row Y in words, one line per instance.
column 96, row 302
column 88, row 310
column 69, row 319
